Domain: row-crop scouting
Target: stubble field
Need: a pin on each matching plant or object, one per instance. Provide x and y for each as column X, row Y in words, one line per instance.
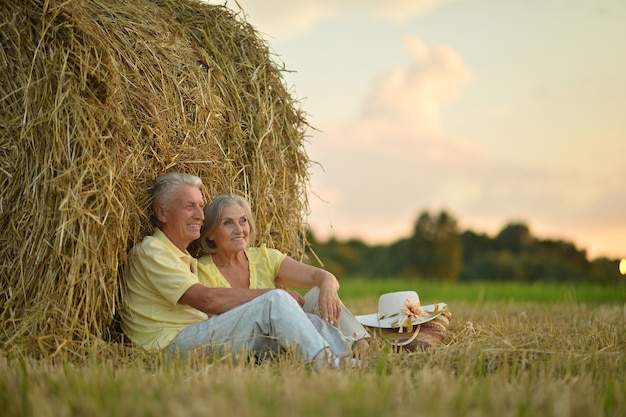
column 504, row 355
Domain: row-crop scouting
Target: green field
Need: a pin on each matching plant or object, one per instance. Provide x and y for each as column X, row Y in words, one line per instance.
column 511, row 350
column 481, row 292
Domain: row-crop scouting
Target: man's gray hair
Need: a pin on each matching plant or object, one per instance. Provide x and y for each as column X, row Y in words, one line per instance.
column 165, row 185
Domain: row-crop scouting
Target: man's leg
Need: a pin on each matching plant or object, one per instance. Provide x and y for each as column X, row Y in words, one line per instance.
column 270, row 322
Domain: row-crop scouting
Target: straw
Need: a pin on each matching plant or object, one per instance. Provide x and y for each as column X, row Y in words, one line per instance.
column 98, row 98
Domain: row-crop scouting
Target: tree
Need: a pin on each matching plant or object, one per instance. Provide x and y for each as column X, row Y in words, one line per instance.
column 435, row 249
column 515, row 237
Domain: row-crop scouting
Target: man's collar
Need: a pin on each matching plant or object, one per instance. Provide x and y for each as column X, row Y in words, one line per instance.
column 159, row 234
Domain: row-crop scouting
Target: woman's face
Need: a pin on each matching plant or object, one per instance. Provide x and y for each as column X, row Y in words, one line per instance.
column 233, row 230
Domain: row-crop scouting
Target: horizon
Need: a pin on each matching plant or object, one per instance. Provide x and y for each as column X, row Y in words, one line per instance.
column 490, row 234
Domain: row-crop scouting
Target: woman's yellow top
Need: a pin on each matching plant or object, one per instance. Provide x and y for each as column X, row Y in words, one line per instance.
column 263, row 262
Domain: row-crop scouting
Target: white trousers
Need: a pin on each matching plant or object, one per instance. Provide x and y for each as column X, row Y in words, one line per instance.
column 270, row 323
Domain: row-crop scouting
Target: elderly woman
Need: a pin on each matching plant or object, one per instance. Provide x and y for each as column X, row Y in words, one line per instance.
column 228, row 261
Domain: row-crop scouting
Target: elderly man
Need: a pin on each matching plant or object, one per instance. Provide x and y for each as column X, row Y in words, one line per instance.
column 167, row 306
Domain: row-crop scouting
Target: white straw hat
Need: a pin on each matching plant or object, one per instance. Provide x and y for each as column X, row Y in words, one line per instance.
column 401, row 309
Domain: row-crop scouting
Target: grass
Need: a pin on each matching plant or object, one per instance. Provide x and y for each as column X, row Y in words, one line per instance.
column 503, row 356
column 480, row 292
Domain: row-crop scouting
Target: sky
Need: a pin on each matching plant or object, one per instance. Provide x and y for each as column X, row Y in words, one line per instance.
column 496, row 111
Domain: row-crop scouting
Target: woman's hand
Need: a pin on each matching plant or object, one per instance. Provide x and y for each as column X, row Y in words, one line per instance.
column 294, row 274
column 329, row 302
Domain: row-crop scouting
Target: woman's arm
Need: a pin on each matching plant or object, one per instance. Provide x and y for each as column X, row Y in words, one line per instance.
column 294, row 274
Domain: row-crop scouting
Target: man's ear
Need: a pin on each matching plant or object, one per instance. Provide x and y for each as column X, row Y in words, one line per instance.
column 160, row 213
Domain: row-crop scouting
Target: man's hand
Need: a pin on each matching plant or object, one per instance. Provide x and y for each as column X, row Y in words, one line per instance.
column 295, row 294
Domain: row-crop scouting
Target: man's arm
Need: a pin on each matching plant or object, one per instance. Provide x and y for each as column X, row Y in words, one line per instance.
column 219, row 300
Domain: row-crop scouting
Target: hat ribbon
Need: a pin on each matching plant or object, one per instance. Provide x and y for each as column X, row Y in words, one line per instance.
column 410, row 311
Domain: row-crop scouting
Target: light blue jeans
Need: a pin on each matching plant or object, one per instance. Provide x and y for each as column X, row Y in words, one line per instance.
column 271, row 323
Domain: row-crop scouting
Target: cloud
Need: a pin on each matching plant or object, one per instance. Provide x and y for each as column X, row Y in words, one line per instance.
column 396, row 159
column 285, row 19
column 413, row 96
column 400, row 118
column 396, row 150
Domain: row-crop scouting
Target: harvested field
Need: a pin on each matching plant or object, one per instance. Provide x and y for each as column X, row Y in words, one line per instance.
column 499, row 359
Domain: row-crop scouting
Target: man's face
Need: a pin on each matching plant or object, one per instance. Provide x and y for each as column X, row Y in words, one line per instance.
column 181, row 218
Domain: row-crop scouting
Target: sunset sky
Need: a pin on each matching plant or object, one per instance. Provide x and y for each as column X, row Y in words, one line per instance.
column 493, row 110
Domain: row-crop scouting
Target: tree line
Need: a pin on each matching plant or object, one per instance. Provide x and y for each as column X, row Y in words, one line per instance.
column 438, row 250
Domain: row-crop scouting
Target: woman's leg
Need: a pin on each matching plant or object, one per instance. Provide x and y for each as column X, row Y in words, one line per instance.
column 347, row 323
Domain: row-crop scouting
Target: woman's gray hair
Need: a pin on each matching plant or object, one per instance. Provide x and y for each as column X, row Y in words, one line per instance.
column 164, row 187
column 213, row 213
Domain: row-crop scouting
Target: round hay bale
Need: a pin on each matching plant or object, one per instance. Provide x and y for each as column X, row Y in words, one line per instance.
column 99, row 97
